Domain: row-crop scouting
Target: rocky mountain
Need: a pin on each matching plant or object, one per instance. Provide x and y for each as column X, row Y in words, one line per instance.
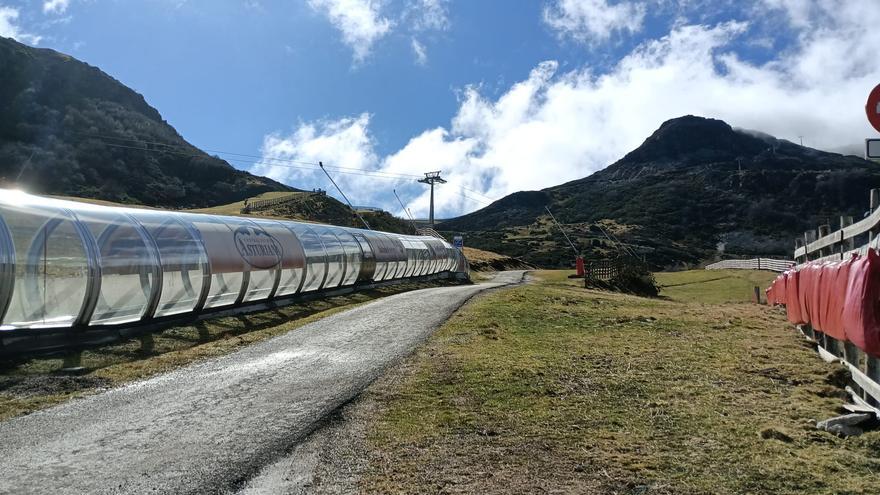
column 695, row 190
column 68, row 128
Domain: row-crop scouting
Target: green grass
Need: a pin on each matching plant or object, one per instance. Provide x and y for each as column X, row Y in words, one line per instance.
column 551, row 388
column 713, row 286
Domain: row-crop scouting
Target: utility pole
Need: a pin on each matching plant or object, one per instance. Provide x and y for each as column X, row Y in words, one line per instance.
column 432, row 178
column 321, row 164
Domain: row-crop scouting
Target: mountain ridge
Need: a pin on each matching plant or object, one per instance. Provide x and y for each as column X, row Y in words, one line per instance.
column 71, row 129
column 694, row 185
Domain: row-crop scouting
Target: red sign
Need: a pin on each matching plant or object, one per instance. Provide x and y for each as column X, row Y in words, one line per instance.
column 873, row 108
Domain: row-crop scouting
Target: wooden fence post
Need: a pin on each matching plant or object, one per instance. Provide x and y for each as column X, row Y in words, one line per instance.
column 872, row 369
column 808, row 331
column 822, row 231
column 853, row 356
column 875, row 202
column 832, row 345
column 799, row 243
column 847, row 244
column 809, row 236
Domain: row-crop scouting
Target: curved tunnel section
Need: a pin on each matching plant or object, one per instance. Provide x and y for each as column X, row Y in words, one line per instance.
column 68, row 265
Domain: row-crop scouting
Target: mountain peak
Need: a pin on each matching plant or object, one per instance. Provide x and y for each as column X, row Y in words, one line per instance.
column 699, row 138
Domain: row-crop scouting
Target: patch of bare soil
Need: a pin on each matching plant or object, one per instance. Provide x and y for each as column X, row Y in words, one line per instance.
column 44, row 385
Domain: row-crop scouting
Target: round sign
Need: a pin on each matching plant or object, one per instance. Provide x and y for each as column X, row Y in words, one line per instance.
column 873, row 108
column 257, row 247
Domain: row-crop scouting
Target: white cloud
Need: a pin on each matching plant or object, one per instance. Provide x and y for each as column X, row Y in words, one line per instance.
column 9, row 27
column 427, row 15
column 55, row 6
column 594, row 20
column 554, row 127
column 340, row 143
column 799, row 12
column 420, row 52
column 360, row 22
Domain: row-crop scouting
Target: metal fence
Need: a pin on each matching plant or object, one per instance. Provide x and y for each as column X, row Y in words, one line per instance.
column 264, row 204
column 430, row 232
column 772, row 265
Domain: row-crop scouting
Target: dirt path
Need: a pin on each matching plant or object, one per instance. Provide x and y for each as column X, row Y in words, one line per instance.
column 211, row 426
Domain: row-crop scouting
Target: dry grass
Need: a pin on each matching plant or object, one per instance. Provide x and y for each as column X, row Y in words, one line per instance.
column 487, row 261
column 551, row 388
column 476, row 255
column 234, row 209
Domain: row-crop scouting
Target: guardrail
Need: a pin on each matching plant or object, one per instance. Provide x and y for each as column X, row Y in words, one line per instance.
column 430, row 232
column 770, row 264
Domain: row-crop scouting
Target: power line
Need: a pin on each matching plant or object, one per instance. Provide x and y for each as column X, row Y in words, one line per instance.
column 576, row 252
column 314, row 168
column 344, row 197
column 626, row 249
column 262, row 160
column 411, row 219
column 477, row 192
column 246, row 155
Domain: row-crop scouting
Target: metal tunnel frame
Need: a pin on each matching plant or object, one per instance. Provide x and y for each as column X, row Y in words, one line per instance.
column 83, row 272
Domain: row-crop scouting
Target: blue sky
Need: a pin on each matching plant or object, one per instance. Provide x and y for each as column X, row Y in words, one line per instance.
column 500, row 95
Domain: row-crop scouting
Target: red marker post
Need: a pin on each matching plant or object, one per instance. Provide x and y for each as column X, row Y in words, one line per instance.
column 872, row 108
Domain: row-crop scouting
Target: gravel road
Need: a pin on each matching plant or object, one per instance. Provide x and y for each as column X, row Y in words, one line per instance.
column 211, row 426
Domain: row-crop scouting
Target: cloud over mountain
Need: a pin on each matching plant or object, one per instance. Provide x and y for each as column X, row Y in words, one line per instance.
column 557, row 125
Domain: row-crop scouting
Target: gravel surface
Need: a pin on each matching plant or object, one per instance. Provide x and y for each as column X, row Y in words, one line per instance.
column 212, row 426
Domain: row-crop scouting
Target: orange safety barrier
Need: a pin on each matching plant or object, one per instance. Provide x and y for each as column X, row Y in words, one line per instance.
column 818, row 296
column 840, row 299
column 834, row 292
column 776, row 291
column 792, row 294
column 806, row 282
column 861, row 317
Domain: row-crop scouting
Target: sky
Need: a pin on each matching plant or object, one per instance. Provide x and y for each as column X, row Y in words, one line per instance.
column 499, row 95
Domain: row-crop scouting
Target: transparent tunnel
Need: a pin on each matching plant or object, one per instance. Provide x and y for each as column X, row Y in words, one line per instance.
column 67, row 264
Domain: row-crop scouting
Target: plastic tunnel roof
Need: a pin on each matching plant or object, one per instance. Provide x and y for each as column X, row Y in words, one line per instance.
column 66, row 264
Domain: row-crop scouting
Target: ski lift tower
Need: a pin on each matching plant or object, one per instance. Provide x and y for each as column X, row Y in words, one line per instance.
column 432, row 178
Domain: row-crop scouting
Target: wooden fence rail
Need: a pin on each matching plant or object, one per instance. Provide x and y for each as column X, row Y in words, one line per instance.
column 603, row 270
column 753, row 264
column 823, row 245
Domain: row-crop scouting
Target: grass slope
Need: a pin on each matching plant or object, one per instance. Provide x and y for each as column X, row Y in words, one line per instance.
column 552, row 388
column 480, row 261
column 713, row 286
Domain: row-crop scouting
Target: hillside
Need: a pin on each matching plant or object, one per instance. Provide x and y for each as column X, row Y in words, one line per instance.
column 68, row 128
column 312, row 207
column 696, row 189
